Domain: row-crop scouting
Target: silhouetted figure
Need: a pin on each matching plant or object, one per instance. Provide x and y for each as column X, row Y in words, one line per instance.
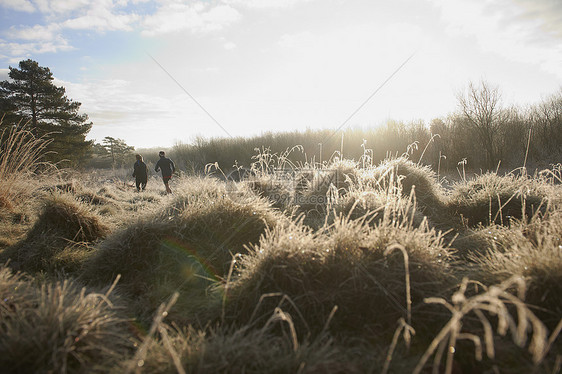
column 140, row 172
column 168, row 168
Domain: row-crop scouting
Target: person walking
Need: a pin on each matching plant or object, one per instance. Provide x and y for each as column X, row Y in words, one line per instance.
column 140, row 173
column 168, row 168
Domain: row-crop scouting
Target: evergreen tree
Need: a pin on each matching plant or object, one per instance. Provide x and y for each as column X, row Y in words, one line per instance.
column 31, row 97
column 117, row 150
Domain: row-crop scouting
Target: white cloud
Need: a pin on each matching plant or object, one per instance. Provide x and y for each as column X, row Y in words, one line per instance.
column 137, row 113
column 101, row 16
column 34, row 33
column 519, row 30
column 229, row 46
column 321, row 78
column 18, row 51
column 298, row 40
column 110, row 15
column 220, row 16
column 74, row 15
column 19, row 5
column 110, row 100
column 62, row 8
column 26, row 41
column 196, row 17
column 102, row 20
column 546, row 15
column 265, row 4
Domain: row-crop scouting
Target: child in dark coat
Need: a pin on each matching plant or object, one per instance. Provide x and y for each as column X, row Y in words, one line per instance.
column 168, row 168
column 140, row 172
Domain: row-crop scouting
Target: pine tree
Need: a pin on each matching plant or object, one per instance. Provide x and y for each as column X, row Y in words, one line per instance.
column 31, row 98
column 117, row 150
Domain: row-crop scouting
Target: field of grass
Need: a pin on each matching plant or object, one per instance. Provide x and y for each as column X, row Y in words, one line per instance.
column 339, row 268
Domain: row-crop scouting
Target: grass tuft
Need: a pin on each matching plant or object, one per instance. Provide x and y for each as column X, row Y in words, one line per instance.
column 492, row 199
column 63, row 225
column 186, row 246
column 20, row 157
column 247, row 350
column 532, row 251
column 345, row 266
column 410, row 176
column 496, row 308
column 58, row 327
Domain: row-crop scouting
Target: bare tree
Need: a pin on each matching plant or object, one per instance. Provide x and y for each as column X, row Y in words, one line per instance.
column 480, row 105
column 546, row 118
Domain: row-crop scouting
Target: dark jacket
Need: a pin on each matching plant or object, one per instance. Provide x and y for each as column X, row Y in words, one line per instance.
column 140, row 170
column 166, row 165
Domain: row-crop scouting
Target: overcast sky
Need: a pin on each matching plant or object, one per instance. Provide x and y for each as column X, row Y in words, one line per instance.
column 158, row 72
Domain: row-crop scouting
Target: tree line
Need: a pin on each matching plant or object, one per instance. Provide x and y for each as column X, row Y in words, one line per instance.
column 481, row 134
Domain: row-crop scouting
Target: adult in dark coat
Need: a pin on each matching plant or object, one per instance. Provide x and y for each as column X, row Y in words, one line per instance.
column 168, row 168
column 140, row 173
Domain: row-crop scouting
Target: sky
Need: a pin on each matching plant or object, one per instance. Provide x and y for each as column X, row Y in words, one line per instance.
column 158, row 73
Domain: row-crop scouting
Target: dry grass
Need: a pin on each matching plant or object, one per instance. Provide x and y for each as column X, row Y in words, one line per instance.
column 343, row 266
column 533, row 251
column 20, row 157
column 64, row 225
column 493, row 199
column 362, row 281
column 247, row 350
column 377, row 199
column 20, row 161
column 278, row 190
column 58, row 327
column 410, row 176
column 344, row 188
column 187, row 246
column 15, row 223
column 510, row 312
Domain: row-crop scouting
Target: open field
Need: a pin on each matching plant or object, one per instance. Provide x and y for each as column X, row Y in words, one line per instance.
column 339, row 268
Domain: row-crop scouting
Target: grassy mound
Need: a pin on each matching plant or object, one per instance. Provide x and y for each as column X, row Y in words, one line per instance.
column 248, row 350
column 343, row 188
column 314, row 189
column 376, row 203
column 58, row 328
column 114, row 200
column 63, row 217
column 340, row 174
column 492, row 199
column 62, row 224
column 14, row 224
column 335, row 178
column 279, row 190
column 391, row 190
column 405, row 175
column 346, row 266
column 533, row 251
column 187, row 246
